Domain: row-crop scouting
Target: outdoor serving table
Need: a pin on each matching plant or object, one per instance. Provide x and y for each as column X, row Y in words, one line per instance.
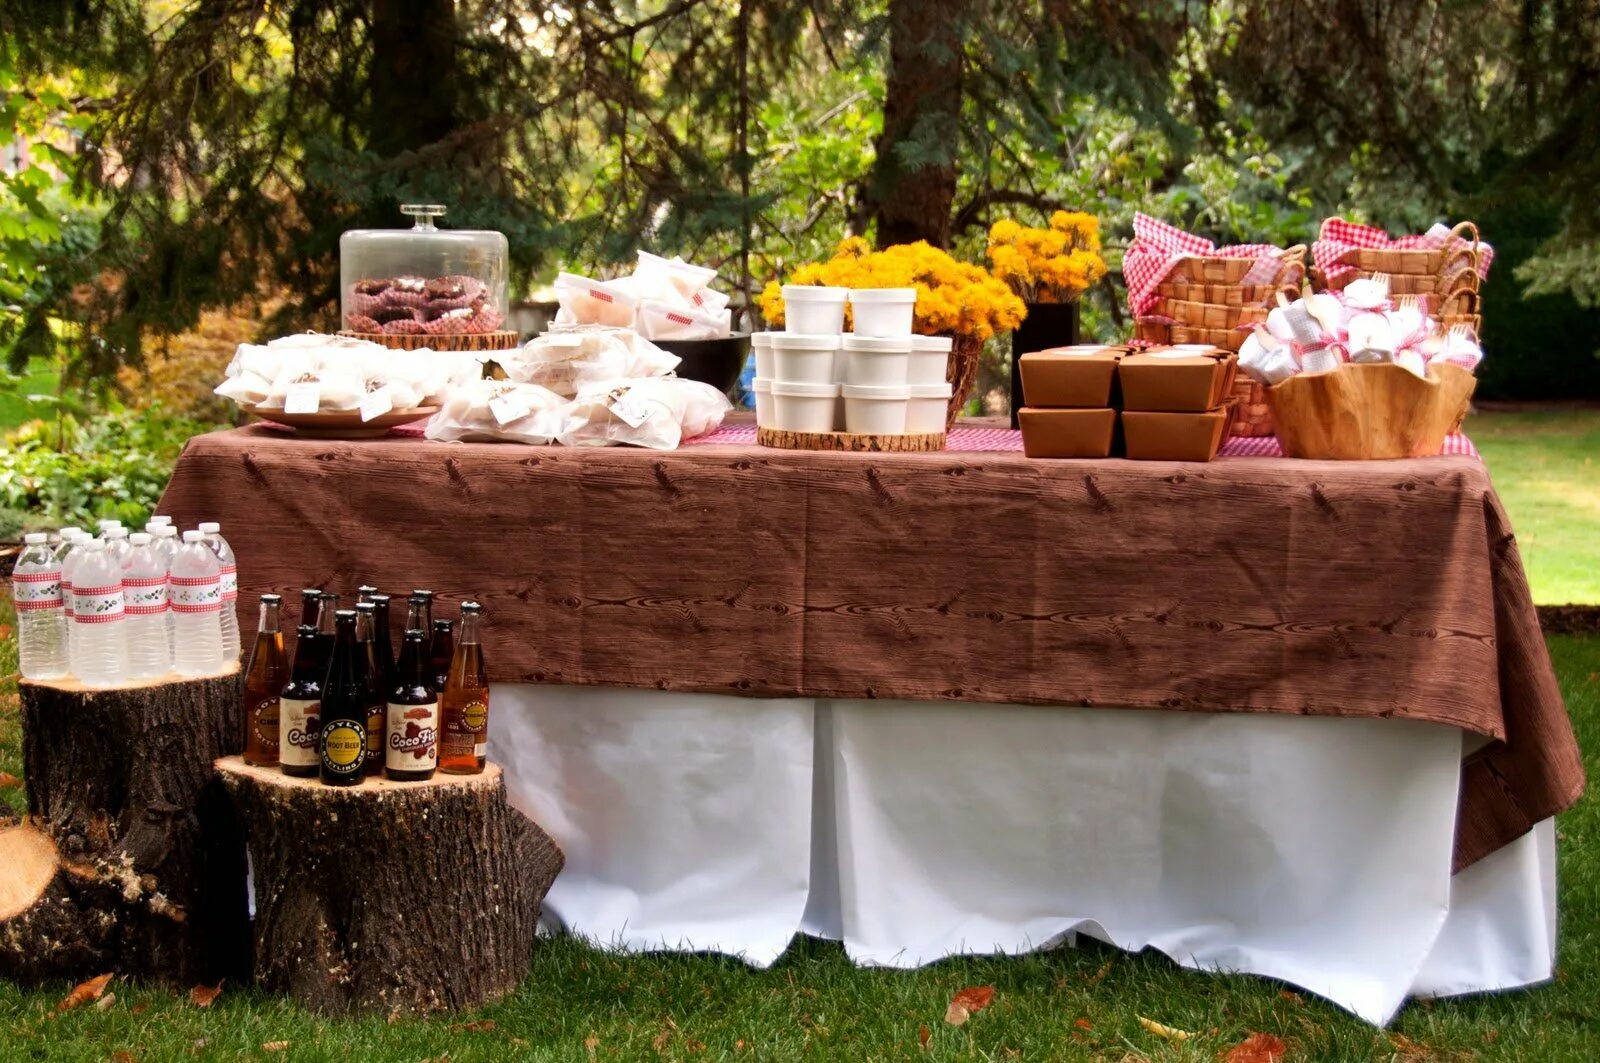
column 1293, row 718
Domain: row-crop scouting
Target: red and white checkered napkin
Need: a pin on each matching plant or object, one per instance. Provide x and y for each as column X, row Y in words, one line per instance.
column 1456, row 445
column 1157, row 247
column 1339, row 237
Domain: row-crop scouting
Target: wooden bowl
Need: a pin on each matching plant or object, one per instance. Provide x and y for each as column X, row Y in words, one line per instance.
column 1359, row 412
column 344, row 424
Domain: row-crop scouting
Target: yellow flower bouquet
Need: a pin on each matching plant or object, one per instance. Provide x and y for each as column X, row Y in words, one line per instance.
column 955, row 299
column 1053, row 265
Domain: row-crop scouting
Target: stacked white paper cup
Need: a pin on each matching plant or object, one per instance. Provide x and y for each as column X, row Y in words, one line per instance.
column 880, row 379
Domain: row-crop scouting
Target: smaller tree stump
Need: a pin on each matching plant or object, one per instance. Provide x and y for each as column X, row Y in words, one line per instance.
column 130, row 859
column 397, row 897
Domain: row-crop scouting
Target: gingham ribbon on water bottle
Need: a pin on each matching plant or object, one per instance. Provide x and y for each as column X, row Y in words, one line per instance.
column 97, row 605
column 146, row 596
column 1339, row 237
column 1158, row 247
column 36, row 590
column 230, row 583
column 195, row 594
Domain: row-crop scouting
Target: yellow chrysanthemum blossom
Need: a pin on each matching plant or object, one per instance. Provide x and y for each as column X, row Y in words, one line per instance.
column 1054, row 264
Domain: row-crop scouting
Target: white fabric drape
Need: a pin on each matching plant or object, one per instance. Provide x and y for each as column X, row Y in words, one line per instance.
column 1311, row 849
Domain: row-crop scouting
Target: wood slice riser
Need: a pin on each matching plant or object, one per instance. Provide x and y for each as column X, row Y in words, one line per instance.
column 853, row 441
column 463, row 341
column 396, row 898
column 152, row 862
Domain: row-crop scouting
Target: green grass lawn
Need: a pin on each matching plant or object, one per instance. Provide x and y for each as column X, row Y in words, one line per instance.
column 1546, row 467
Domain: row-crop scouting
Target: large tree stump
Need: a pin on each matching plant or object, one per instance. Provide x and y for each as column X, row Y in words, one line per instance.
column 407, row 897
column 130, row 859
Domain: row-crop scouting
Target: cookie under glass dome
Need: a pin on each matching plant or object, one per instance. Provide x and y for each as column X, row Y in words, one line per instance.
column 423, row 281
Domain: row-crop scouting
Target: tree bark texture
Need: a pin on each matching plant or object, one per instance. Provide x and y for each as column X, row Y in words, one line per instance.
column 149, row 863
column 413, row 82
column 392, row 897
column 914, row 179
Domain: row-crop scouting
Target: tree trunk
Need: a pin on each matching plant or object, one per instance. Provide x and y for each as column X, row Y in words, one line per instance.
column 413, row 81
column 395, row 897
column 914, row 179
column 131, row 860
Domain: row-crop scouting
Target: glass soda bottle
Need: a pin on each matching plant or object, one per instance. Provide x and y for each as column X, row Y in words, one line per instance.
column 342, row 743
column 411, row 750
column 377, row 684
column 464, row 703
column 300, row 705
column 263, row 687
column 381, row 645
column 441, row 652
column 41, row 613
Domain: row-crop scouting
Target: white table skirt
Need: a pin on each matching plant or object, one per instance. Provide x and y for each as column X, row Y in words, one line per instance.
column 1309, row 849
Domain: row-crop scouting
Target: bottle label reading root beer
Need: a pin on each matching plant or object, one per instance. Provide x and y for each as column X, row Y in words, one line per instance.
column 413, row 737
column 344, row 743
column 298, row 724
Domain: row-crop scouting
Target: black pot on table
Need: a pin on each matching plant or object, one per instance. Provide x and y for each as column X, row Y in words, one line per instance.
column 716, row 362
column 1047, row 325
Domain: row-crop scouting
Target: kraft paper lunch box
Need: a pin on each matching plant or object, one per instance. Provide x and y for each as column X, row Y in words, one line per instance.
column 1176, row 379
column 1078, row 377
column 1067, row 433
column 1152, row 436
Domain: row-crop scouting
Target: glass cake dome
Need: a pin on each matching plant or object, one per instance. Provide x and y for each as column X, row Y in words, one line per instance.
column 422, row 281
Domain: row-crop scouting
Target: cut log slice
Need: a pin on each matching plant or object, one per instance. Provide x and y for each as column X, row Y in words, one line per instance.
column 130, row 859
column 858, row 441
column 395, row 897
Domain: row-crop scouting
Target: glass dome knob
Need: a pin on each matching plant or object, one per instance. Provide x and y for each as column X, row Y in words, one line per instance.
column 423, row 214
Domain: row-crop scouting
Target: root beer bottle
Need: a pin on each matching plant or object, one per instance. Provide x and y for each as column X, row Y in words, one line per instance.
column 424, row 600
column 380, row 639
column 263, row 685
column 464, row 703
column 411, row 750
column 376, row 684
column 300, row 707
column 441, row 652
column 365, row 592
column 342, row 742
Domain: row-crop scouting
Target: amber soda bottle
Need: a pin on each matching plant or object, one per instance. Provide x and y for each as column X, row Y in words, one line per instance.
column 411, row 750
column 464, row 703
column 376, row 684
column 381, row 644
column 342, row 742
column 442, row 652
column 263, row 685
column 300, row 706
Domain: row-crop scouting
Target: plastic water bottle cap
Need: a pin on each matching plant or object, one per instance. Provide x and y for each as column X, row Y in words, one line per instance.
column 210, row 527
column 160, row 519
column 193, row 536
column 167, row 531
column 109, row 522
column 34, row 538
column 116, row 533
column 139, row 539
column 70, row 529
column 94, row 545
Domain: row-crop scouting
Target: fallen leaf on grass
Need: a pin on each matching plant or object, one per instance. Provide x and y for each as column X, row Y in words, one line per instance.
column 1257, row 1048
column 105, row 1002
column 1170, row 1033
column 967, row 1003
column 274, row 1046
column 1100, row 975
column 924, row 1035
column 1291, row 996
column 120, row 1056
column 1083, row 1024
column 139, row 1008
column 84, row 992
column 203, row 996
column 591, row 1043
column 476, row 1026
column 9, row 781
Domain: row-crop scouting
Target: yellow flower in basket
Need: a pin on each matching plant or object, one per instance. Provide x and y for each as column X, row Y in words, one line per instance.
column 1052, row 265
column 953, row 297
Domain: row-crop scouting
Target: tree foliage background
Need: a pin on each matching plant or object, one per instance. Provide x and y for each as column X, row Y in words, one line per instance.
column 193, row 154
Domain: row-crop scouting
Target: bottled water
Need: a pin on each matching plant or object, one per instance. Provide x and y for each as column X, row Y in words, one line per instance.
column 159, row 519
column 41, row 616
column 99, row 657
column 195, row 587
column 116, row 542
column 231, row 646
column 144, row 592
column 165, row 545
column 70, row 548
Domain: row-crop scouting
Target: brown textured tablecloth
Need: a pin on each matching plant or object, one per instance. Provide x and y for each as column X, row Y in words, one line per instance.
column 1389, row 589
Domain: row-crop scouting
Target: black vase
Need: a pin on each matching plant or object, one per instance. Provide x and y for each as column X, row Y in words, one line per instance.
column 1047, row 325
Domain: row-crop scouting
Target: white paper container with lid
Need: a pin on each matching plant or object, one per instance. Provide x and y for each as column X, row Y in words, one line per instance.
column 929, row 357
column 877, row 361
column 801, row 358
column 762, row 389
column 803, row 407
column 926, row 410
column 761, row 343
column 883, row 311
column 809, row 308
column 876, row 410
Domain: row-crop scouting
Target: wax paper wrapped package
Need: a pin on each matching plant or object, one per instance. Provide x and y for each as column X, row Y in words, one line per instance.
column 566, row 359
column 498, row 411
column 337, row 387
column 658, row 413
column 585, row 301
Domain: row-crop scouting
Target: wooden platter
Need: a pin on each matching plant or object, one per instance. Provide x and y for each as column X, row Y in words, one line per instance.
column 341, row 424
column 856, row 441
column 461, row 341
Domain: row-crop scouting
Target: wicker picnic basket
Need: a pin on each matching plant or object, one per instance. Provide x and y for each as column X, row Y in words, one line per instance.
column 962, row 373
column 1447, row 275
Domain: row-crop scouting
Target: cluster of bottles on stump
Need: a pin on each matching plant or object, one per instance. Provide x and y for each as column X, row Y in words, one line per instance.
column 124, row 607
column 348, row 708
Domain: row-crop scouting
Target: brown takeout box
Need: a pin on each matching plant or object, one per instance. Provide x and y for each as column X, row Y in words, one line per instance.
column 1075, row 377
column 1174, row 380
column 1066, row 433
column 1173, row 436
